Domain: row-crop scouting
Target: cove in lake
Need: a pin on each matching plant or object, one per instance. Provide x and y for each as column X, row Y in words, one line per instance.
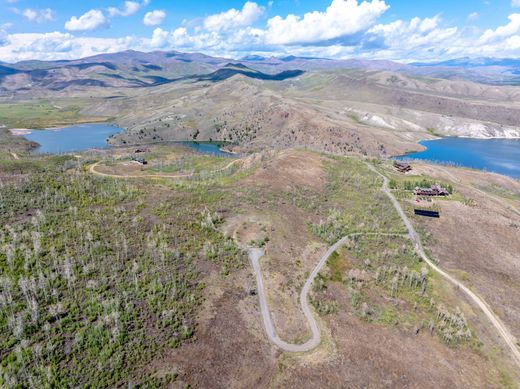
column 212, row 148
column 94, row 136
column 73, row 138
column 494, row 155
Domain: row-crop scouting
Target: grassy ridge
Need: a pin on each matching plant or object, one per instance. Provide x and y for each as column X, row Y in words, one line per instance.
column 43, row 114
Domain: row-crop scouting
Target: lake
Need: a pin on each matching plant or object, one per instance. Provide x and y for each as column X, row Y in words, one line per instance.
column 94, row 136
column 73, row 138
column 212, row 148
column 493, row 155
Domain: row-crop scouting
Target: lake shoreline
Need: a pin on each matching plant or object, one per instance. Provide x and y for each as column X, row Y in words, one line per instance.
column 91, row 136
column 493, row 155
column 69, row 139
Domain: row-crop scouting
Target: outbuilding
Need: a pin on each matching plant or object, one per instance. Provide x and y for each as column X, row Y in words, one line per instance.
column 402, row 166
column 434, row 190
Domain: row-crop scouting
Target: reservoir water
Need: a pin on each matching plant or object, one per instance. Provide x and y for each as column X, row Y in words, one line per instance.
column 94, row 136
column 212, row 148
column 493, row 155
column 73, row 138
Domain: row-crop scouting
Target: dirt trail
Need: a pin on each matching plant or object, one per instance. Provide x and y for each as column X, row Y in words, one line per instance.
column 14, row 155
column 255, row 254
column 502, row 330
column 93, row 170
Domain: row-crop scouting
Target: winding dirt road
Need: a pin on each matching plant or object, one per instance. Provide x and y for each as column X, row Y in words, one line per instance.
column 93, row 170
column 254, row 257
column 502, row 330
column 255, row 254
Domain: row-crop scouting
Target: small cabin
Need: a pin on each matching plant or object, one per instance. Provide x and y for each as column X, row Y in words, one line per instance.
column 402, row 167
column 434, row 190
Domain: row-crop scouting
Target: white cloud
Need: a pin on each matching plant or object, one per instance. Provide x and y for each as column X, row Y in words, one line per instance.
column 53, row 42
column 413, row 40
column 413, row 34
column 159, row 38
column 515, row 3
column 128, row 8
column 232, row 30
column 38, row 15
column 512, row 28
column 346, row 29
column 342, row 18
column 154, row 18
column 234, row 18
column 35, row 15
column 474, row 16
column 89, row 21
column 58, row 45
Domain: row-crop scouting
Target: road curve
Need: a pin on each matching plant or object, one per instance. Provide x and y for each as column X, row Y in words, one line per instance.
column 502, row 330
column 93, row 170
column 254, row 257
column 255, row 254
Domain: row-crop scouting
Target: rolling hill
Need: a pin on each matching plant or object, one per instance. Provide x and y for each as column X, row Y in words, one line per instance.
column 371, row 107
column 133, row 69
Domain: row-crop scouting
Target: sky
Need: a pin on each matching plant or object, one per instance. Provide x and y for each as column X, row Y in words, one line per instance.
column 399, row 30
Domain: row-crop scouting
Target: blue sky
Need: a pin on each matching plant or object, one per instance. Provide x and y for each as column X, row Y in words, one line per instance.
column 402, row 30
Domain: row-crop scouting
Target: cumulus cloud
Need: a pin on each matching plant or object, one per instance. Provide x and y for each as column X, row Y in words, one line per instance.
column 58, row 45
column 345, row 29
column 128, row 8
column 37, row 15
column 90, row 20
column 234, row 18
column 232, row 30
column 159, row 38
column 154, row 18
column 512, row 28
column 413, row 35
column 53, row 42
column 342, row 18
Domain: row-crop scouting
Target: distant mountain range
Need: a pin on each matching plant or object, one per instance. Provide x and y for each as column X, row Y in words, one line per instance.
column 232, row 69
column 130, row 69
column 134, row 69
column 474, row 63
